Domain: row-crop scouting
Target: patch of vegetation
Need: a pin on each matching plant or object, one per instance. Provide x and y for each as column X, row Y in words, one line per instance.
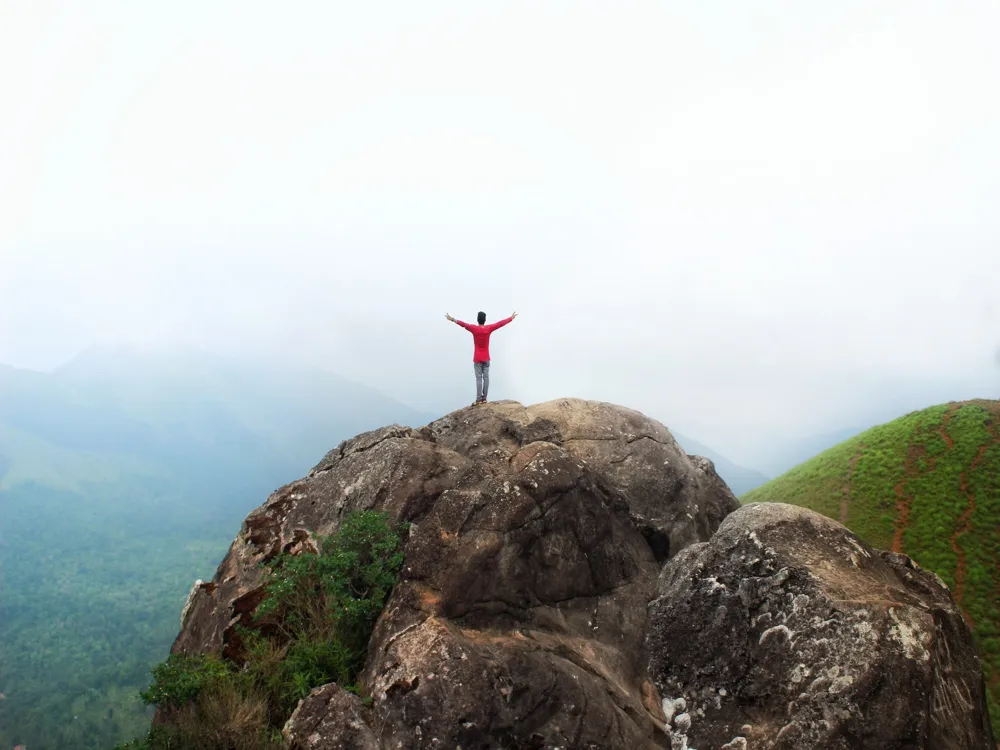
column 311, row 628
column 182, row 678
column 927, row 485
column 226, row 714
column 92, row 586
column 123, row 478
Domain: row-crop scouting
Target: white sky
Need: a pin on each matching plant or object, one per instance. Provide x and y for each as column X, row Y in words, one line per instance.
column 749, row 220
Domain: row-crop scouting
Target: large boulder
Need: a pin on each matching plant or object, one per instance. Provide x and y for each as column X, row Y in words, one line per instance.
column 785, row 630
column 523, row 619
column 519, row 619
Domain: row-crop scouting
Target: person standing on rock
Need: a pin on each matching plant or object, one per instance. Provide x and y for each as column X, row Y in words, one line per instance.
column 481, row 357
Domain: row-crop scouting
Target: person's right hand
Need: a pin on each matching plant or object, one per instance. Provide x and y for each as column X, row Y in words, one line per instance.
column 448, row 316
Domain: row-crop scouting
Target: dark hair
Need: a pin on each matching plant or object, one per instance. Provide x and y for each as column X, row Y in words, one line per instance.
column 481, row 318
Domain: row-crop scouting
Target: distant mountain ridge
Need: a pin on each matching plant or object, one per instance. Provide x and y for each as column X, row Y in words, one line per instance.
column 739, row 478
column 166, row 410
column 123, row 476
column 787, row 453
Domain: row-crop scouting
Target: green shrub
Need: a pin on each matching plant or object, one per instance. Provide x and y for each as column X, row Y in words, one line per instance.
column 319, row 611
column 340, row 591
column 312, row 628
column 181, row 679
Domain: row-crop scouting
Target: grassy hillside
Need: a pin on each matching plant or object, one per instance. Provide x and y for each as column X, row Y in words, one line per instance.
column 927, row 485
column 123, row 477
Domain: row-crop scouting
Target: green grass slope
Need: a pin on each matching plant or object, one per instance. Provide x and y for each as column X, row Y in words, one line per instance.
column 927, row 485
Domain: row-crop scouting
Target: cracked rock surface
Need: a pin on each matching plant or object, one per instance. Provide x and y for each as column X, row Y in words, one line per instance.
column 573, row 579
column 519, row 619
column 786, row 631
column 329, row 718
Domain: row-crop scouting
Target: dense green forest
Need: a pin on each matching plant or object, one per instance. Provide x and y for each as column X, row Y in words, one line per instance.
column 91, row 597
column 123, row 478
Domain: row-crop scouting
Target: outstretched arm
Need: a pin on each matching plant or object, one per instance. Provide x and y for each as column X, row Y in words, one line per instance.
column 502, row 323
column 457, row 322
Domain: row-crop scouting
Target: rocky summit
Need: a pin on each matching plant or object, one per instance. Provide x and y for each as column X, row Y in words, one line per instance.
column 573, row 579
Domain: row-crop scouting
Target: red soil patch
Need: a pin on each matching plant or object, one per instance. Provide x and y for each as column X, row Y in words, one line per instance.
column 964, row 519
column 943, row 427
column 963, row 526
column 913, row 453
column 846, row 492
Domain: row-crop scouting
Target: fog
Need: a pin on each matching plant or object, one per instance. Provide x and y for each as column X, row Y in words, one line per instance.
column 752, row 223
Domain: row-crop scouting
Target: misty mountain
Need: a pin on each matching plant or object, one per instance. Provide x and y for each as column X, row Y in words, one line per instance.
column 739, row 478
column 188, row 414
column 786, row 454
column 124, row 475
column 778, row 454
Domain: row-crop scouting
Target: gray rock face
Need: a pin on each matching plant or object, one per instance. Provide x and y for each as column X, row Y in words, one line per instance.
column 519, row 619
column 522, row 616
column 786, row 631
column 329, row 718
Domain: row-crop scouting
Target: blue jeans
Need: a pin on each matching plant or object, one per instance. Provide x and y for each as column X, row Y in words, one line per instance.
column 482, row 379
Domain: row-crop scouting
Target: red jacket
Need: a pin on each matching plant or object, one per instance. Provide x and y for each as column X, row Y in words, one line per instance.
column 481, row 335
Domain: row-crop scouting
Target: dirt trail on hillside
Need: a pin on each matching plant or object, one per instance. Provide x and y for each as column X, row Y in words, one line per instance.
column 943, row 427
column 965, row 519
column 913, row 453
column 846, row 492
column 962, row 527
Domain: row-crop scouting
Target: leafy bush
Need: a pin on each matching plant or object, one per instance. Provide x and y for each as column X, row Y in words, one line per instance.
column 224, row 717
column 181, row 679
column 340, row 592
column 312, row 628
column 320, row 610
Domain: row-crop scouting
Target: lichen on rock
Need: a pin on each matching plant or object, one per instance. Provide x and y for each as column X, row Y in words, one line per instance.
column 787, row 631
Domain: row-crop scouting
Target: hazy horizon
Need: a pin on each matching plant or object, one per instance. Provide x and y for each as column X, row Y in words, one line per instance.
column 771, row 460
column 751, row 223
